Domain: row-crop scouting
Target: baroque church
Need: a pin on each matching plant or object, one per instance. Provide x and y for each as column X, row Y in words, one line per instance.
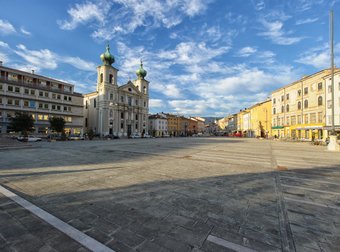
column 117, row 110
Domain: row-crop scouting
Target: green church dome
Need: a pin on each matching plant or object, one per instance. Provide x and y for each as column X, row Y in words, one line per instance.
column 107, row 57
column 141, row 73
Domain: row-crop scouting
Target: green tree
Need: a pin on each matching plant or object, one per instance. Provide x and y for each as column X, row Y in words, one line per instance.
column 57, row 124
column 22, row 122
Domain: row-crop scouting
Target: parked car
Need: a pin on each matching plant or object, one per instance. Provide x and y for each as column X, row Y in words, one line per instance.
column 29, row 138
column 166, row 135
column 135, row 135
column 146, row 135
column 75, row 137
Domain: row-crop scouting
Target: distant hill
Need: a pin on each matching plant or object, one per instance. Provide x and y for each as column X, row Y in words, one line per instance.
column 211, row 119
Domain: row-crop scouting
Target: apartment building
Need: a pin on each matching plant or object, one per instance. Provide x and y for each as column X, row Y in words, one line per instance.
column 298, row 109
column 40, row 96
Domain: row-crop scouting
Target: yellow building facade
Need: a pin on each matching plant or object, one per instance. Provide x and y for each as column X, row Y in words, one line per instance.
column 298, row 109
column 260, row 119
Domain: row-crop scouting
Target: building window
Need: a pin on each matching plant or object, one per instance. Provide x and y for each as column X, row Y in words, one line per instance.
column 299, row 119
column 26, row 91
column 94, row 103
column 65, row 98
column 287, row 96
column 144, row 90
column 282, row 97
column 129, row 101
column 111, row 78
column 17, row 89
column 329, row 89
column 287, row 108
column 320, row 117
column 274, row 101
column 111, row 96
column 299, row 105
column 313, row 118
column 59, row 97
column 329, row 104
column 299, row 92
column 0, row 86
column 293, row 120
column 136, row 102
column 136, row 117
column 122, row 125
column 305, row 90
column 282, row 109
column 144, row 103
column 32, row 104
column 136, row 125
column 306, row 104
column 306, row 118
column 122, row 98
column 41, row 93
column 53, row 107
column 86, row 104
column 320, row 101
column 46, row 94
column 10, row 88
column 287, row 122
column 54, row 96
column 32, row 92
column 101, row 78
column 122, row 115
column 320, row 86
column 45, row 106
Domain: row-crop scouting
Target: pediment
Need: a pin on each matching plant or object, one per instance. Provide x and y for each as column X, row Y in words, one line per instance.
column 129, row 88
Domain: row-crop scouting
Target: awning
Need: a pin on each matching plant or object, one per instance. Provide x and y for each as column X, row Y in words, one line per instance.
column 277, row 127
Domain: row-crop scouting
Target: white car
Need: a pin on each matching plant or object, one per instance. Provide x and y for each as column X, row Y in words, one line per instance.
column 146, row 135
column 75, row 137
column 135, row 135
column 29, row 138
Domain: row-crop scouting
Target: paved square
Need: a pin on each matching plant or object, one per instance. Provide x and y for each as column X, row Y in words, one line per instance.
column 176, row 194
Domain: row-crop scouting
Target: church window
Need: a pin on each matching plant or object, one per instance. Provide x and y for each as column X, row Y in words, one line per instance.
column 136, row 117
column 144, row 104
column 101, row 78
column 299, row 105
column 122, row 98
column 122, row 125
column 130, row 89
column 144, row 90
column 122, row 115
column 111, row 96
column 136, row 125
column 94, row 103
column 287, row 107
column 111, row 77
column 306, row 104
column 274, row 111
column 129, row 100
column 320, row 101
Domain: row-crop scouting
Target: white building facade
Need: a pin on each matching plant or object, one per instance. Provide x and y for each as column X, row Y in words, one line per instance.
column 42, row 98
column 158, row 125
column 117, row 110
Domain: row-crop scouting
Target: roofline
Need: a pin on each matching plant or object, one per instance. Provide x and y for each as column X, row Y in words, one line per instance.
column 305, row 78
column 33, row 75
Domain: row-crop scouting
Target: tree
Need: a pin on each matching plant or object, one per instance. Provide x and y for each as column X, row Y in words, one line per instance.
column 22, row 122
column 57, row 124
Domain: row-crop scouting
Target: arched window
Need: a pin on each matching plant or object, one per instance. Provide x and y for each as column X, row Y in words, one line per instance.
column 94, row 103
column 144, row 90
column 101, row 78
column 282, row 109
column 111, row 78
column 287, row 108
column 320, row 100
column 306, row 104
column 299, row 105
column 274, row 111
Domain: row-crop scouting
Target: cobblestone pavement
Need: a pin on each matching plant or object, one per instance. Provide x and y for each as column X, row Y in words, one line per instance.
column 176, row 194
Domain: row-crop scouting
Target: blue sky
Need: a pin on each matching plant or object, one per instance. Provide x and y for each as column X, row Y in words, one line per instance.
column 203, row 57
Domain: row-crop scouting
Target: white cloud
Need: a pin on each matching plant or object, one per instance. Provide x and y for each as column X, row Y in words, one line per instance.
column 258, row 4
column 6, row 27
column 81, row 14
column 246, row 51
column 46, row 59
column 125, row 16
column 156, row 103
column 274, row 32
column 319, row 57
column 306, row 21
column 24, row 31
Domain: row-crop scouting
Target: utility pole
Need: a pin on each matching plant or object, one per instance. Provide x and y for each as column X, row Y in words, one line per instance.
column 332, row 67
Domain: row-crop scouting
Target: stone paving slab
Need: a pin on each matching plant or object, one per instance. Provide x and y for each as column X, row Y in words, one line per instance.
column 171, row 194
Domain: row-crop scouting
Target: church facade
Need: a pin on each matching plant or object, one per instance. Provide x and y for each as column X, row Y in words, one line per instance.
column 117, row 110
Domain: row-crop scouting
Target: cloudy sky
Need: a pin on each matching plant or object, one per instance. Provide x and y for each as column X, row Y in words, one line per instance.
column 203, row 57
